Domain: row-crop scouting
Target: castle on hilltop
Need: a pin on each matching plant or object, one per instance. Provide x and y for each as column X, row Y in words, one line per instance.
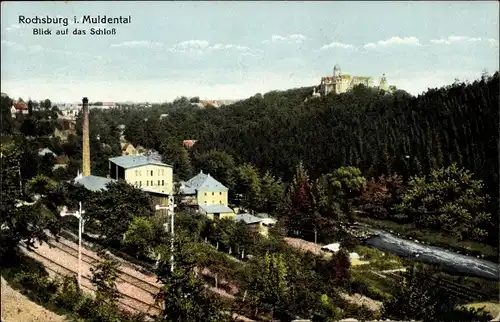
column 341, row 83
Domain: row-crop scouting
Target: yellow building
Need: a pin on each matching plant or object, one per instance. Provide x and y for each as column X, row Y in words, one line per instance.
column 341, row 83
column 208, row 194
column 143, row 172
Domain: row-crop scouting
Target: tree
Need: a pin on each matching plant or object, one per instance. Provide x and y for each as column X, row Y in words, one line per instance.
column 379, row 196
column 184, row 295
column 341, row 264
column 299, row 192
column 140, row 236
column 30, row 107
column 104, row 276
column 218, row 164
column 46, row 104
column 416, row 298
column 7, row 124
column 113, row 210
column 448, row 199
column 175, row 154
column 22, row 220
column 265, row 278
column 248, row 183
column 272, row 193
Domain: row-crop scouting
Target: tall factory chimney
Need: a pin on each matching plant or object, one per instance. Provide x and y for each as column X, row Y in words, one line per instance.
column 86, row 142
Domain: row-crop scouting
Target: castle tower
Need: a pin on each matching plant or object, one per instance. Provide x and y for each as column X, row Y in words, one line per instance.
column 383, row 83
column 86, row 142
column 336, row 70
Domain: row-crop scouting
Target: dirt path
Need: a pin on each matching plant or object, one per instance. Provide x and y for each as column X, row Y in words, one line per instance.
column 362, row 300
column 18, row 308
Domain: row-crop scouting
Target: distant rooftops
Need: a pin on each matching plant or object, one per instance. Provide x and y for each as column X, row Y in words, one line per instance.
column 132, row 161
column 203, row 181
column 248, row 219
column 93, row 183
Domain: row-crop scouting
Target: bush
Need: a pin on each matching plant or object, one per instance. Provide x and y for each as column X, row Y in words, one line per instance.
column 86, row 308
column 68, row 296
column 40, row 288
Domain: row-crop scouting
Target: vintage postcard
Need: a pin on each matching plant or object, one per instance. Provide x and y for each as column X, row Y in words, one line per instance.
column 210, row 161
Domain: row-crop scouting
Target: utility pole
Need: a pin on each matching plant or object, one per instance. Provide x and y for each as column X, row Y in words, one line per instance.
column 315, row 236
column 171, row 206
column 78, row 214
column 20, row 178
column 170, row 211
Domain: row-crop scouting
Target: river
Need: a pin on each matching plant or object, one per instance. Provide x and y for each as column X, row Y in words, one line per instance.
column 450, row 261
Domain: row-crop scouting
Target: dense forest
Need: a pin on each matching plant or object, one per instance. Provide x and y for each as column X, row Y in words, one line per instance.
column 364, row 128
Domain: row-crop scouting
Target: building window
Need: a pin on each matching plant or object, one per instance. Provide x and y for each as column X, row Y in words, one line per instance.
column 158, row 182
column 151, row 183
column 213, row 193
column 136, row 173
column 220, row 193
column 220, row 201
column 163, row 182
column 140, row 183
column 205, row 195
column 147, row 183
column 151, row 172
column 162, row 172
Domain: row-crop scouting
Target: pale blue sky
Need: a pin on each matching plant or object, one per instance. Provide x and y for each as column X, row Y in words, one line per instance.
column 230, row 50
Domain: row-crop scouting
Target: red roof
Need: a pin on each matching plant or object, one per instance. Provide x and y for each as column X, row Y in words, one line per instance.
column 20, row 106
column 189, row 143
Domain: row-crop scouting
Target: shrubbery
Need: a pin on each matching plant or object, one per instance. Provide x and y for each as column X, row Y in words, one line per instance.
column 61, row 293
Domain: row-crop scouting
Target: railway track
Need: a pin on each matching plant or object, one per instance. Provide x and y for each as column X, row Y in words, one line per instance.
column 126, row 301
column 454, row 289
column 145, row 286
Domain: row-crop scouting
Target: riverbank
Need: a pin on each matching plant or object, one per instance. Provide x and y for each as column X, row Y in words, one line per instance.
column 434, row 238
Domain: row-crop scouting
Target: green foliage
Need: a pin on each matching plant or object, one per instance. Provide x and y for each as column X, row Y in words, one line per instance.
column 113, row 210
column 104, row 276
column 60, row 295
column 175, row 154
column 140, row 236
column 22, row 220
column 7, row 126
column 184, row 295
column 448, row 199
column 416, row 298
column 248, row 183
column 265, row 278
column 271, row 194
column 218, row 164
column 344, row 185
